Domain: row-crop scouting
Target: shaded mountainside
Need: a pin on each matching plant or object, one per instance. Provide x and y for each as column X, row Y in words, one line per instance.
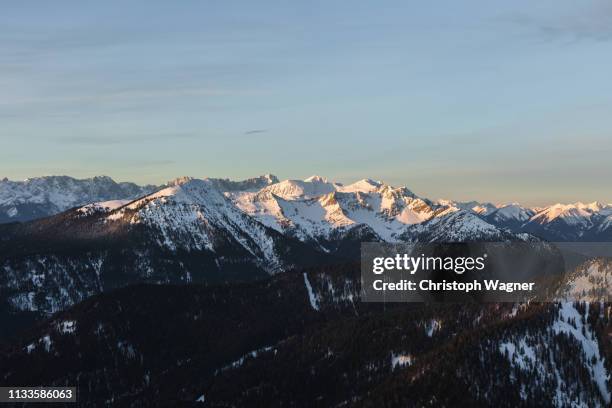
column 304, row 339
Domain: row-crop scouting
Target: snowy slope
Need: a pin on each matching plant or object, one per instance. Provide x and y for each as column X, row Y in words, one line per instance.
column 512, row 212
column 460, row 226
column 589, row 282
column 192, row 214
column 577, row 214
column 318, row 210
column 476, row 207
column 511, row 216
column 102, row 207
column 532, row 359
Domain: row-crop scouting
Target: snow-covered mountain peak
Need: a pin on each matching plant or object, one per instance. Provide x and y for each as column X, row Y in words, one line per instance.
column 483, row 209
column 270, row 178
column 316, row 179
column 455, row 225
column 571, row 214
column 317, row 186
column 195, row 215
column 512, row 212
column 42, row 196
column 365, row 185
column 595, row 206
column 317, row 210
column 294, row 189
column 179, row 181
column 476, row 207
column 577, row 221
column 104, row 206
column 251, row 184
column 512, row 204
column 185, row 190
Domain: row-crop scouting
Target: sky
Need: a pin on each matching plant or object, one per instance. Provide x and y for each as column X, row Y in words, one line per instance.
column 488, row 100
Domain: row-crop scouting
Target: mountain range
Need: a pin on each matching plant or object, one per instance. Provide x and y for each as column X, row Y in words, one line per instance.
column 212, row 292
column 558, row 222
column 217, row 230
column 323, row 208
column 210, row 230
column 44, row 196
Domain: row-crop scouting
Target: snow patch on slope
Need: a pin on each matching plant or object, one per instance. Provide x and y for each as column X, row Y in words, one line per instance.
column 312, row 297
column 590, row 346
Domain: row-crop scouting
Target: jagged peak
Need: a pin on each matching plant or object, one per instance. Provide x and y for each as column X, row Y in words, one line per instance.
column 329, row 199
column 103, row 178
column 593, row 206
column 179, row 181
column 371, row 182
column 512, row 204
column 316, row 179
column 403, row 190
column 184, row 190
column 365, row 185
column 270, row 178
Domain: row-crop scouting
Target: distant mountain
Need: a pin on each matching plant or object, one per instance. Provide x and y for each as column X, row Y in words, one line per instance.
column 577, row 222
column 558, row 222
column 252, row 184
column 512, row 216
column 44, row 196
column 476, row 207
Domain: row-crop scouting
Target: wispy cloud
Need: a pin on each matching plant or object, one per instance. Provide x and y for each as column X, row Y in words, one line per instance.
column 119, row 139
column 255, row 131
column 152, row 163
column 131, row 94
column 592, row 23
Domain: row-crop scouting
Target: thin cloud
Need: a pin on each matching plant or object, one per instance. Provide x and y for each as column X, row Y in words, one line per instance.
column 113, row 140
column 133, row 94
column 152, row 163
column 255, row 131
column 594, row 23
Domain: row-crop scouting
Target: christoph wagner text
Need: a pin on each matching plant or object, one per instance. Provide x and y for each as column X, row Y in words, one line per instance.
column 429, row 285
column 412, row 264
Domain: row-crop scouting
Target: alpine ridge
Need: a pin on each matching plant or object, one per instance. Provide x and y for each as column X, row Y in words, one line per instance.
column 591, row 222
column 214, row 230
column 44, row 196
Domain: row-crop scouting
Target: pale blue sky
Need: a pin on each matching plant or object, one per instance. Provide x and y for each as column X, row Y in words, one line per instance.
column 489, row 100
